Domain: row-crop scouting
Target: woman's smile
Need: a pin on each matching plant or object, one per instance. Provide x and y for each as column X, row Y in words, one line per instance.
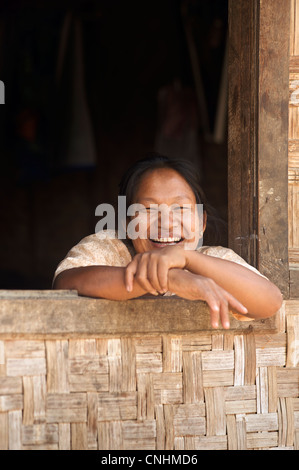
column 166, row 241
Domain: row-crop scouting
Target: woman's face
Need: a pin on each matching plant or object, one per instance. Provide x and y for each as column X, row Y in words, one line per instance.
column 168, row 214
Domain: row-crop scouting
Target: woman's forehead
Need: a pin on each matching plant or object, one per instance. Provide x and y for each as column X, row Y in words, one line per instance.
column 164, row 182
column 177, row 198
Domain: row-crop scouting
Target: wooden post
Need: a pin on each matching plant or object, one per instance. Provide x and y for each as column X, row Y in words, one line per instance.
column 258, row 135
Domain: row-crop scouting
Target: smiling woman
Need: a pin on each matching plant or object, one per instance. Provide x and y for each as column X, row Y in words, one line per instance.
column 173, row 261
column 176, row 221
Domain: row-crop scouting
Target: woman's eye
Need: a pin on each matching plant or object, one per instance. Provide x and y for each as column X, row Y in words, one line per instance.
column 185, row 209
column 144, row 210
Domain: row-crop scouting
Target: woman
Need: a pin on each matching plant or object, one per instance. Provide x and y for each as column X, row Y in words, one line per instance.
column 107, row 267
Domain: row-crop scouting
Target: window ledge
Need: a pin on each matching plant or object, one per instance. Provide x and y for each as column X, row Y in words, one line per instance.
column 47, row 314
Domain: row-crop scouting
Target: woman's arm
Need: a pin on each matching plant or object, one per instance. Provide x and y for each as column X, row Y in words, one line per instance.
column 260, row 296
column 106, row 282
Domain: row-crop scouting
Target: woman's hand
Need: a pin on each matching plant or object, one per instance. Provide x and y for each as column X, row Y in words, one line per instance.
column 195, row 287
column 151, row 268
column 160, row 270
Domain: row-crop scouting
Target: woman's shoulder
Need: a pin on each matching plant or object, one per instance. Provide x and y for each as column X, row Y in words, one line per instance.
column 219, row 252
column 100, row 248
column 105, row 240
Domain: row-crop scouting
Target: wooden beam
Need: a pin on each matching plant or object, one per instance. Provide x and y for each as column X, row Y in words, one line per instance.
column 70, row 316
column 242, row 128
column 258, row 135
column 274, row 32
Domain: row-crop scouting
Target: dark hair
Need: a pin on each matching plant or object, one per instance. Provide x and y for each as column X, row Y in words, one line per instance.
column 153, row 161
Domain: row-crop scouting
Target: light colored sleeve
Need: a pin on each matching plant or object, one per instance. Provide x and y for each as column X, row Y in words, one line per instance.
column 96, row 250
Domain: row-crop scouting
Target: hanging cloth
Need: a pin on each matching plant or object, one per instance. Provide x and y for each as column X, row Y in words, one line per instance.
column 79, row 148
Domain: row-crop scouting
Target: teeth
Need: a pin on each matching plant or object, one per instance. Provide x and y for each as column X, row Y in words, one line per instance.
column 166, row 240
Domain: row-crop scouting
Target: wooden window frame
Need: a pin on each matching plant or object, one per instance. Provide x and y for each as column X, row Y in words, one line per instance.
column 258, row 97
column 63, row 314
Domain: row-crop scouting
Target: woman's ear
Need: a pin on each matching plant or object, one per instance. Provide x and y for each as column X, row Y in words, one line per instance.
column 204, row 221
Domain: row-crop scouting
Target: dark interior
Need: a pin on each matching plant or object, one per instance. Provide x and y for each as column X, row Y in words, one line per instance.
column 90, row 87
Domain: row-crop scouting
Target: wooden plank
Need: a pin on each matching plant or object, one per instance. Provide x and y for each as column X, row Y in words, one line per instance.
column 146, row 397
column 11, row 402
column 92, row 419
column 220, row 378
column 28, row 413
column 64, row 436
column 37, row 294
column 210, row 442
column 14, row 430
column 172, row 354
column 192, row 377
column 10, row 385
column 117, row 406
column 261, row 422
column 29, row 349
column 139, row 430
column 128, row 354
column 242, row 127
column 215, row 409
column 57, row 367
column 240, row 406
column 78, row 436
column 26, row 366
column 3, row 431
column 68, row 408
column 217, row 360
column 246, row 392
column 293, row 340
column 160, row 427
column 262, row 440
column 273, row 395
column 89, row 383
column 294, row 28
column 274, row 27
column 258, row 135
column 39, row 434
column 250, row 359
column 57, row 319
column 239, row 360
column 191, row 426
column 232, row 436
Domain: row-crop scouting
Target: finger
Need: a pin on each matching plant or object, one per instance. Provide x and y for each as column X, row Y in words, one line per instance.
column 142, row 276
column 130, row 273
column 236, row 304
column 162, row 273
column 228, row 300
column 224, row 314
column 214, row 306
column 152, row 274
column 221, row 310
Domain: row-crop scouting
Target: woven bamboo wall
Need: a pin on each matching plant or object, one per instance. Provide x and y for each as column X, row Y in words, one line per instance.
column 209, row 390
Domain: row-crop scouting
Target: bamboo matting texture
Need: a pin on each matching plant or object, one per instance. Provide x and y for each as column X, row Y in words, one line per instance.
column 196, row 391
